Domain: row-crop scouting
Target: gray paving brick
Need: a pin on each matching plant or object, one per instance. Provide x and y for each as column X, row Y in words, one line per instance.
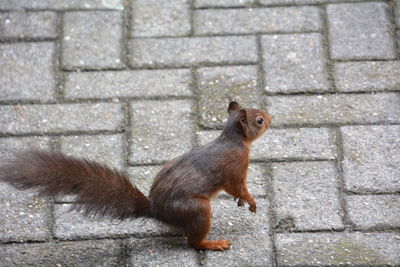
column 299, row 188
column 337, row 249
column 250, row 249
column 223, row 3
column 61, row 4
column 153, row 140
column 24, row 221
column 78, row 253
column 294, row 63
column 367, row 76
column 60, row 118
column 74, row 225
column 26, row 71
column 143, row 176
column 334, row 109
column 378, row 211
column 107, row 149
column 137, row 83
column 28, row 25
column 280, row 144
column 371, row 158
column 217, row 86
column 360, row 31
column 161, row 252
column 237, row 21
column 152, row 18
column 9, row 145
column 150, row 52
column 92, row 40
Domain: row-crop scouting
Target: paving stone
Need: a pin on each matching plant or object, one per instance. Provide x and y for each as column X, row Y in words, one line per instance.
column 74, row 225
column 299, row 188
column 26, row 71
column 79, row 253
column 250, row 249
column 60, row 118
column 371, row 158
column 24, row 221
column 360, row 31
column 143, row 176
column 161, row 252
column 28, row 25
column 253, row 20
column 334, row 109
column 61, row 4
column 338, row 249
column 9, row 145
column 153, row 140
column 217, row 86
column 223, row 3
column 280, row 144
column 106, row 149
column 294, row 63
column 150, row 52
column 152, row 18
column 92, row 40
column 137, row 83
column 378, row 211
column 367, row 76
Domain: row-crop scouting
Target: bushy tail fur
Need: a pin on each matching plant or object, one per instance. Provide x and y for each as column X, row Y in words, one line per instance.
column 98, row 189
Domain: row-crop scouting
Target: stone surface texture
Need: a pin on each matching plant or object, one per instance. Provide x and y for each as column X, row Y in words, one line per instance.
column 132, row 84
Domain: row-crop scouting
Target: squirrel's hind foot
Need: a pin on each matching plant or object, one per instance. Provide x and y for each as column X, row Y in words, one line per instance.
column 214, row 245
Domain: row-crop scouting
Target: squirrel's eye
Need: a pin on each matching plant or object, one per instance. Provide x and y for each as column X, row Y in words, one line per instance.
column 260, row 120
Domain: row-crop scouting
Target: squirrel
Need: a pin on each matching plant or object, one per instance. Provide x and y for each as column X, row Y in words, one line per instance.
column 181, row 193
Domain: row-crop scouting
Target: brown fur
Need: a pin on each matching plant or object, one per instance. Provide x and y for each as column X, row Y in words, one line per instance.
column 181, row 193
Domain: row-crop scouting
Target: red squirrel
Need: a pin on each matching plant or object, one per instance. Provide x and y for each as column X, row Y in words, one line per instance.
column 181, row 193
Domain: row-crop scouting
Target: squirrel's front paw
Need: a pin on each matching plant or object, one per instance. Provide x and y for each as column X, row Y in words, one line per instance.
column 240, row 202
column 253, row 206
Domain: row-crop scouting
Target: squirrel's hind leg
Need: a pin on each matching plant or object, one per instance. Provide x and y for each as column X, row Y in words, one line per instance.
column 199, row 227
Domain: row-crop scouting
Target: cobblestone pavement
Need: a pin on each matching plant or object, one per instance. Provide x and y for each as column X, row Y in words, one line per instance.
column 135, row 83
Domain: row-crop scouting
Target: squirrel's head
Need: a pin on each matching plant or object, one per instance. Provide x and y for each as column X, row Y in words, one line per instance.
column 251, row 122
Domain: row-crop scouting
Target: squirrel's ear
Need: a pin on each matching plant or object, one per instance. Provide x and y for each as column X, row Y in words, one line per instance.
column 242, row 121
column 233, row 106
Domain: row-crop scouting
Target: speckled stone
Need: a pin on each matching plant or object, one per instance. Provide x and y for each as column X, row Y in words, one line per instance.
column 338, row 249
column 79, row 253
column 299, row 188
column 223, row 3
column 61, row 4
column 360, row 31
column 294, row 63
column 8, row 145
column 60, row 117
column 334, row 109
column 374, row 211
column 28, row 25
column 92, row 40
column 367, row 76
column 217, row 86
column 26, row 71
column 160, row 252
column 137, row 83
column 75, row 225
column 160, row 130
column 291, row 143
column 143, row 176
column 257, row 20
column 106, row 149
column 22, row 221
column 179, row 52
column 371, row 158
column 152, row 18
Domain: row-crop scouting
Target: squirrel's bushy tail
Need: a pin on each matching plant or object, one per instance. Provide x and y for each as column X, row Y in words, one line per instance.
column 98, row 189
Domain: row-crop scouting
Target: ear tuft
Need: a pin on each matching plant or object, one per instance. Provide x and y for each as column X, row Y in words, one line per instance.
column 233, row 106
